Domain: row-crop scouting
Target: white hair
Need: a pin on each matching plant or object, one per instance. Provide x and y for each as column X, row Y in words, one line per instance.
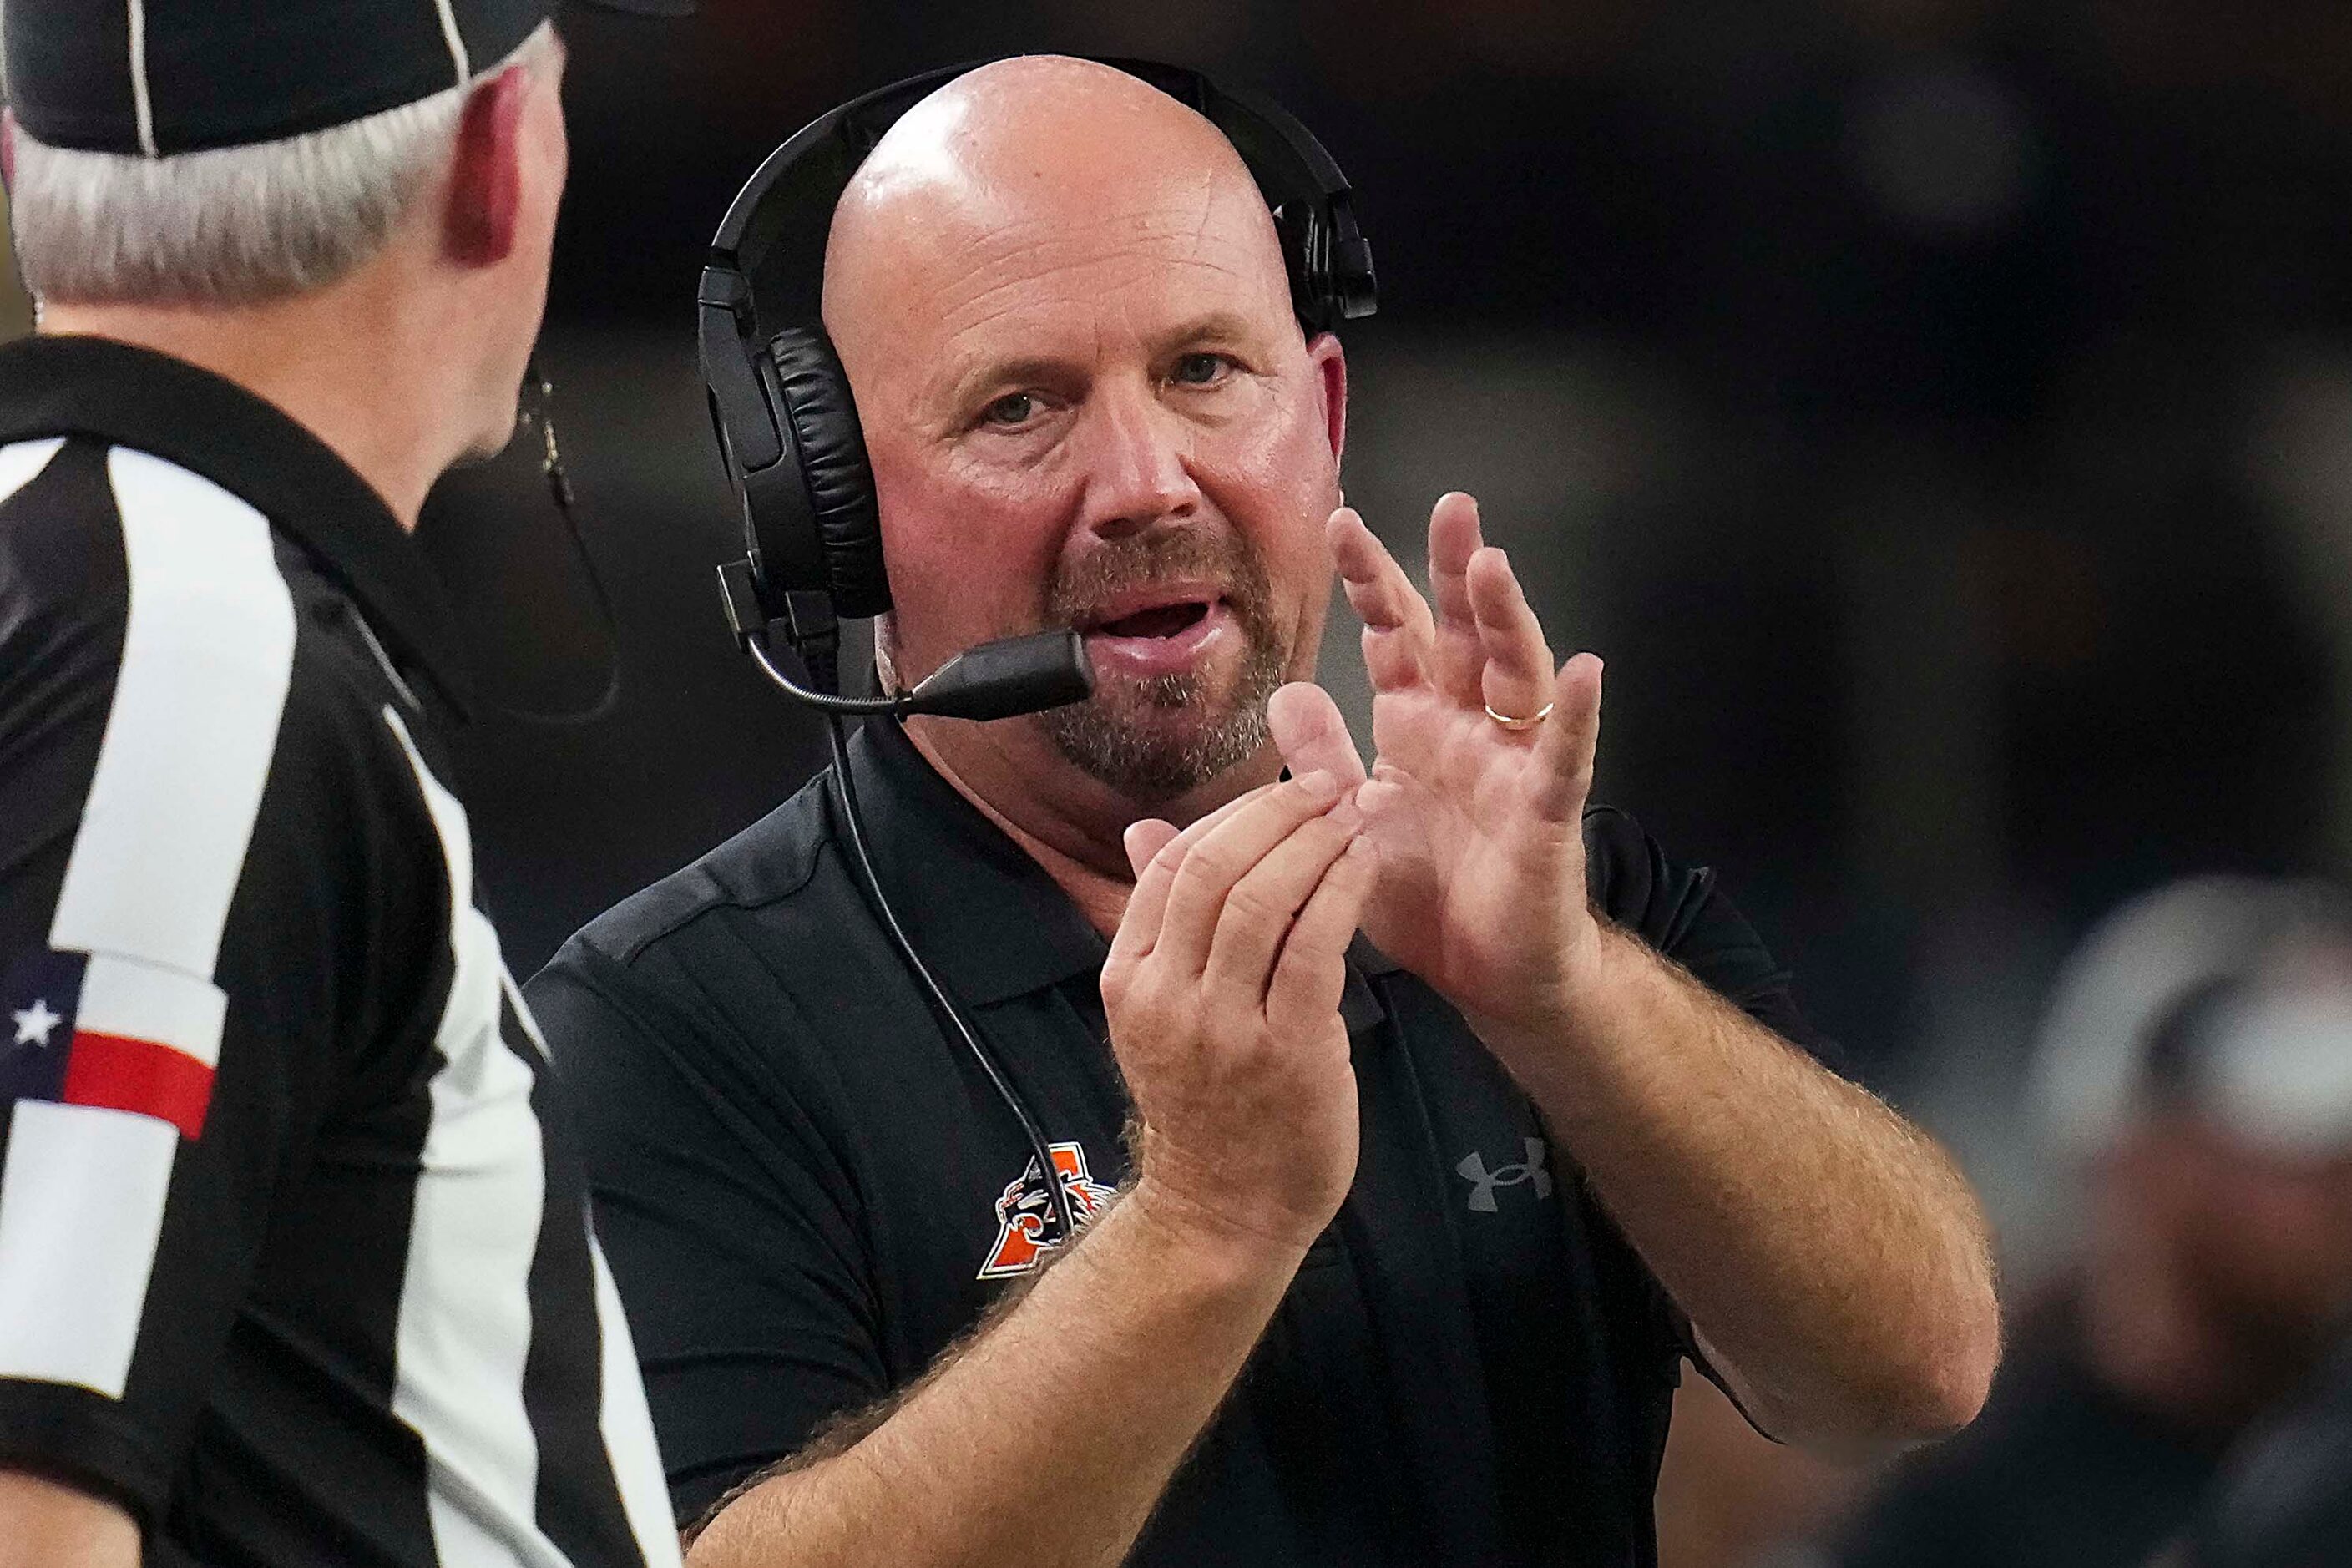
column 233, row 226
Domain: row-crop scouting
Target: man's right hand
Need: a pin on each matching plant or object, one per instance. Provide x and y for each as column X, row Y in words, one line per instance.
column 1223, row 993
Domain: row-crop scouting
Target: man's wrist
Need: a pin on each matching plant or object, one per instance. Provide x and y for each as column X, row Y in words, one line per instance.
column 1554, row 1034
column 1212, row 1244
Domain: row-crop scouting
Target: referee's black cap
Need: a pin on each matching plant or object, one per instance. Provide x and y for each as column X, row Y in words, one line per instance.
column 160, row 77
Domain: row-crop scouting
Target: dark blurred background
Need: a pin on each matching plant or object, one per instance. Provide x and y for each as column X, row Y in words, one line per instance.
column 1939, row 411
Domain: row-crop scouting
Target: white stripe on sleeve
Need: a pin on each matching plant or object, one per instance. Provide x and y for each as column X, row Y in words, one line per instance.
column 81, row 1202
column 207, row 657
column 139, row 1001
column 465, row 1302
column 628, row 1427
column 208, row 651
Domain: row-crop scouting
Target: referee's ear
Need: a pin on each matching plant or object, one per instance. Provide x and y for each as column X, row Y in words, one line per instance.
column 485, row 209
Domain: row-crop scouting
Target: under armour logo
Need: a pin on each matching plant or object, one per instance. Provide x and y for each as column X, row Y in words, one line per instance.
column 1483, row 1182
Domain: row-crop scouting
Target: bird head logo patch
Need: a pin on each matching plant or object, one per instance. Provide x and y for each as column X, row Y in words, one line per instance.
column 1024, row 1210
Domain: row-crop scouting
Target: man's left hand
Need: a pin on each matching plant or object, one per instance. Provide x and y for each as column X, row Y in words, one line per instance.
column 1479, row 823
column 1832, row 1261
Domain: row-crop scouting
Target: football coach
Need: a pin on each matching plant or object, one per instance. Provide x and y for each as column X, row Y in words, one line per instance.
column 294, row 1265
column 1396, row 1245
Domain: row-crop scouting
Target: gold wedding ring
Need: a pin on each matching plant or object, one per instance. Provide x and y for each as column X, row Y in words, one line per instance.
column 1530, row 723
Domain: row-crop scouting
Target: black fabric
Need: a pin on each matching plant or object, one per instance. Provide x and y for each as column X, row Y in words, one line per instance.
column 798, row 1178
column 833, row 465
column 222, row 75
column 2285, row 1500
column 2060, row 1471
column 260, row 1421
column 63, row 643
column 94, row 386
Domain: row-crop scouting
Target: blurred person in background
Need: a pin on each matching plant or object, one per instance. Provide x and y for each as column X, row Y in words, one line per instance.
column 295, row 1260
column 2285, row 1498
column 1462, row 1203
column 2197, row 1066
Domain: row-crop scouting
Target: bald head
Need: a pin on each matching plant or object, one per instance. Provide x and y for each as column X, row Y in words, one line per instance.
column 1040, row 158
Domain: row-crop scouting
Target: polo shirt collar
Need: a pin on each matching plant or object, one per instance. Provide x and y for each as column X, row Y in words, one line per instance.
column 984, row 913
column 152, row 403
column 981, row 911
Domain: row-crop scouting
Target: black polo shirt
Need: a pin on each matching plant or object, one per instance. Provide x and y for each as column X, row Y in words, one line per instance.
column 295, row 1261
column 809, row 1191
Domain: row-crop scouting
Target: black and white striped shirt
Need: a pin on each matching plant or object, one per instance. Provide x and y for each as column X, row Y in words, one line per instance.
column 294, row 1256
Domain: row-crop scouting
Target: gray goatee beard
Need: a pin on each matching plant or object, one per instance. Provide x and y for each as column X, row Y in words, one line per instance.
column 1123, row 735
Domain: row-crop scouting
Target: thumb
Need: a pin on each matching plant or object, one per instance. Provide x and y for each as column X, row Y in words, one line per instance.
column 1311, row 736
column 1146, row 839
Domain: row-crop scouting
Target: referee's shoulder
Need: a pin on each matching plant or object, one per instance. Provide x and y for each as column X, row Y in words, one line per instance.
column 63, row 588
column 91, row 528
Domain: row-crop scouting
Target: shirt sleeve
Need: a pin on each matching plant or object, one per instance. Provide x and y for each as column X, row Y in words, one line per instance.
column 727, row 1218
column 171, row 926
column 1681, row 912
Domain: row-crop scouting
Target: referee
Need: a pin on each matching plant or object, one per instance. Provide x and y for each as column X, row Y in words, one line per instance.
column 295, row 1262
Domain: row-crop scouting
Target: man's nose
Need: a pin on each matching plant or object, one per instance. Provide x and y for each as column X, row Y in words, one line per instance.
column 1136, row 456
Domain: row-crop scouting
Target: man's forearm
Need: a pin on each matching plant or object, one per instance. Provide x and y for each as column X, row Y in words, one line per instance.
column 1830, row 1256
column 1050, row 1437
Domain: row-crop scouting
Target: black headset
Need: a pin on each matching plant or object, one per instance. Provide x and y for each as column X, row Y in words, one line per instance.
column 795, row 457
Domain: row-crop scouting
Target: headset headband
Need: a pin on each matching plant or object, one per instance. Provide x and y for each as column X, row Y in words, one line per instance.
column 806, row 175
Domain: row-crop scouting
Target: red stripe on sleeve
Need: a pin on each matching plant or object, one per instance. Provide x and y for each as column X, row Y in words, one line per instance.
column 120, row 1074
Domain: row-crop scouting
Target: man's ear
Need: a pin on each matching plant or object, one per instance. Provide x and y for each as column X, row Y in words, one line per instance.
column 1331, row 372
column 485, row 208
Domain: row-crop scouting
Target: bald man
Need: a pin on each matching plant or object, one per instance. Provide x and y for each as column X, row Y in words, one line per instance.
column 1400, row 1237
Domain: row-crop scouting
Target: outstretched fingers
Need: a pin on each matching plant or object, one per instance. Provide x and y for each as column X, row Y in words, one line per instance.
column 1517, row 676
column 1458, row 654
column 1398, row 626
column 1566, row 741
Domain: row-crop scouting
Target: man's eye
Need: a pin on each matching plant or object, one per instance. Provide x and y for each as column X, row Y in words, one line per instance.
column 1013, row 408
column 1199, row 370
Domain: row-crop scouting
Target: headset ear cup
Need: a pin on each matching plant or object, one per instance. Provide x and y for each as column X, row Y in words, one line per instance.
column 834, row 467
column 1304, row 256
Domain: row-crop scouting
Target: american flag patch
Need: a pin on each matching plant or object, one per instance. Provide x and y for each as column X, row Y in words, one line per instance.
column 115, row 1034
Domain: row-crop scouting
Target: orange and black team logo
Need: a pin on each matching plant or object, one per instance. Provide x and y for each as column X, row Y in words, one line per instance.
column 1026, row 1206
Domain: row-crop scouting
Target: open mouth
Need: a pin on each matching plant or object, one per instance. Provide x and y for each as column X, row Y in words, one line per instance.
column 1155, row 621
column 1166, row 629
